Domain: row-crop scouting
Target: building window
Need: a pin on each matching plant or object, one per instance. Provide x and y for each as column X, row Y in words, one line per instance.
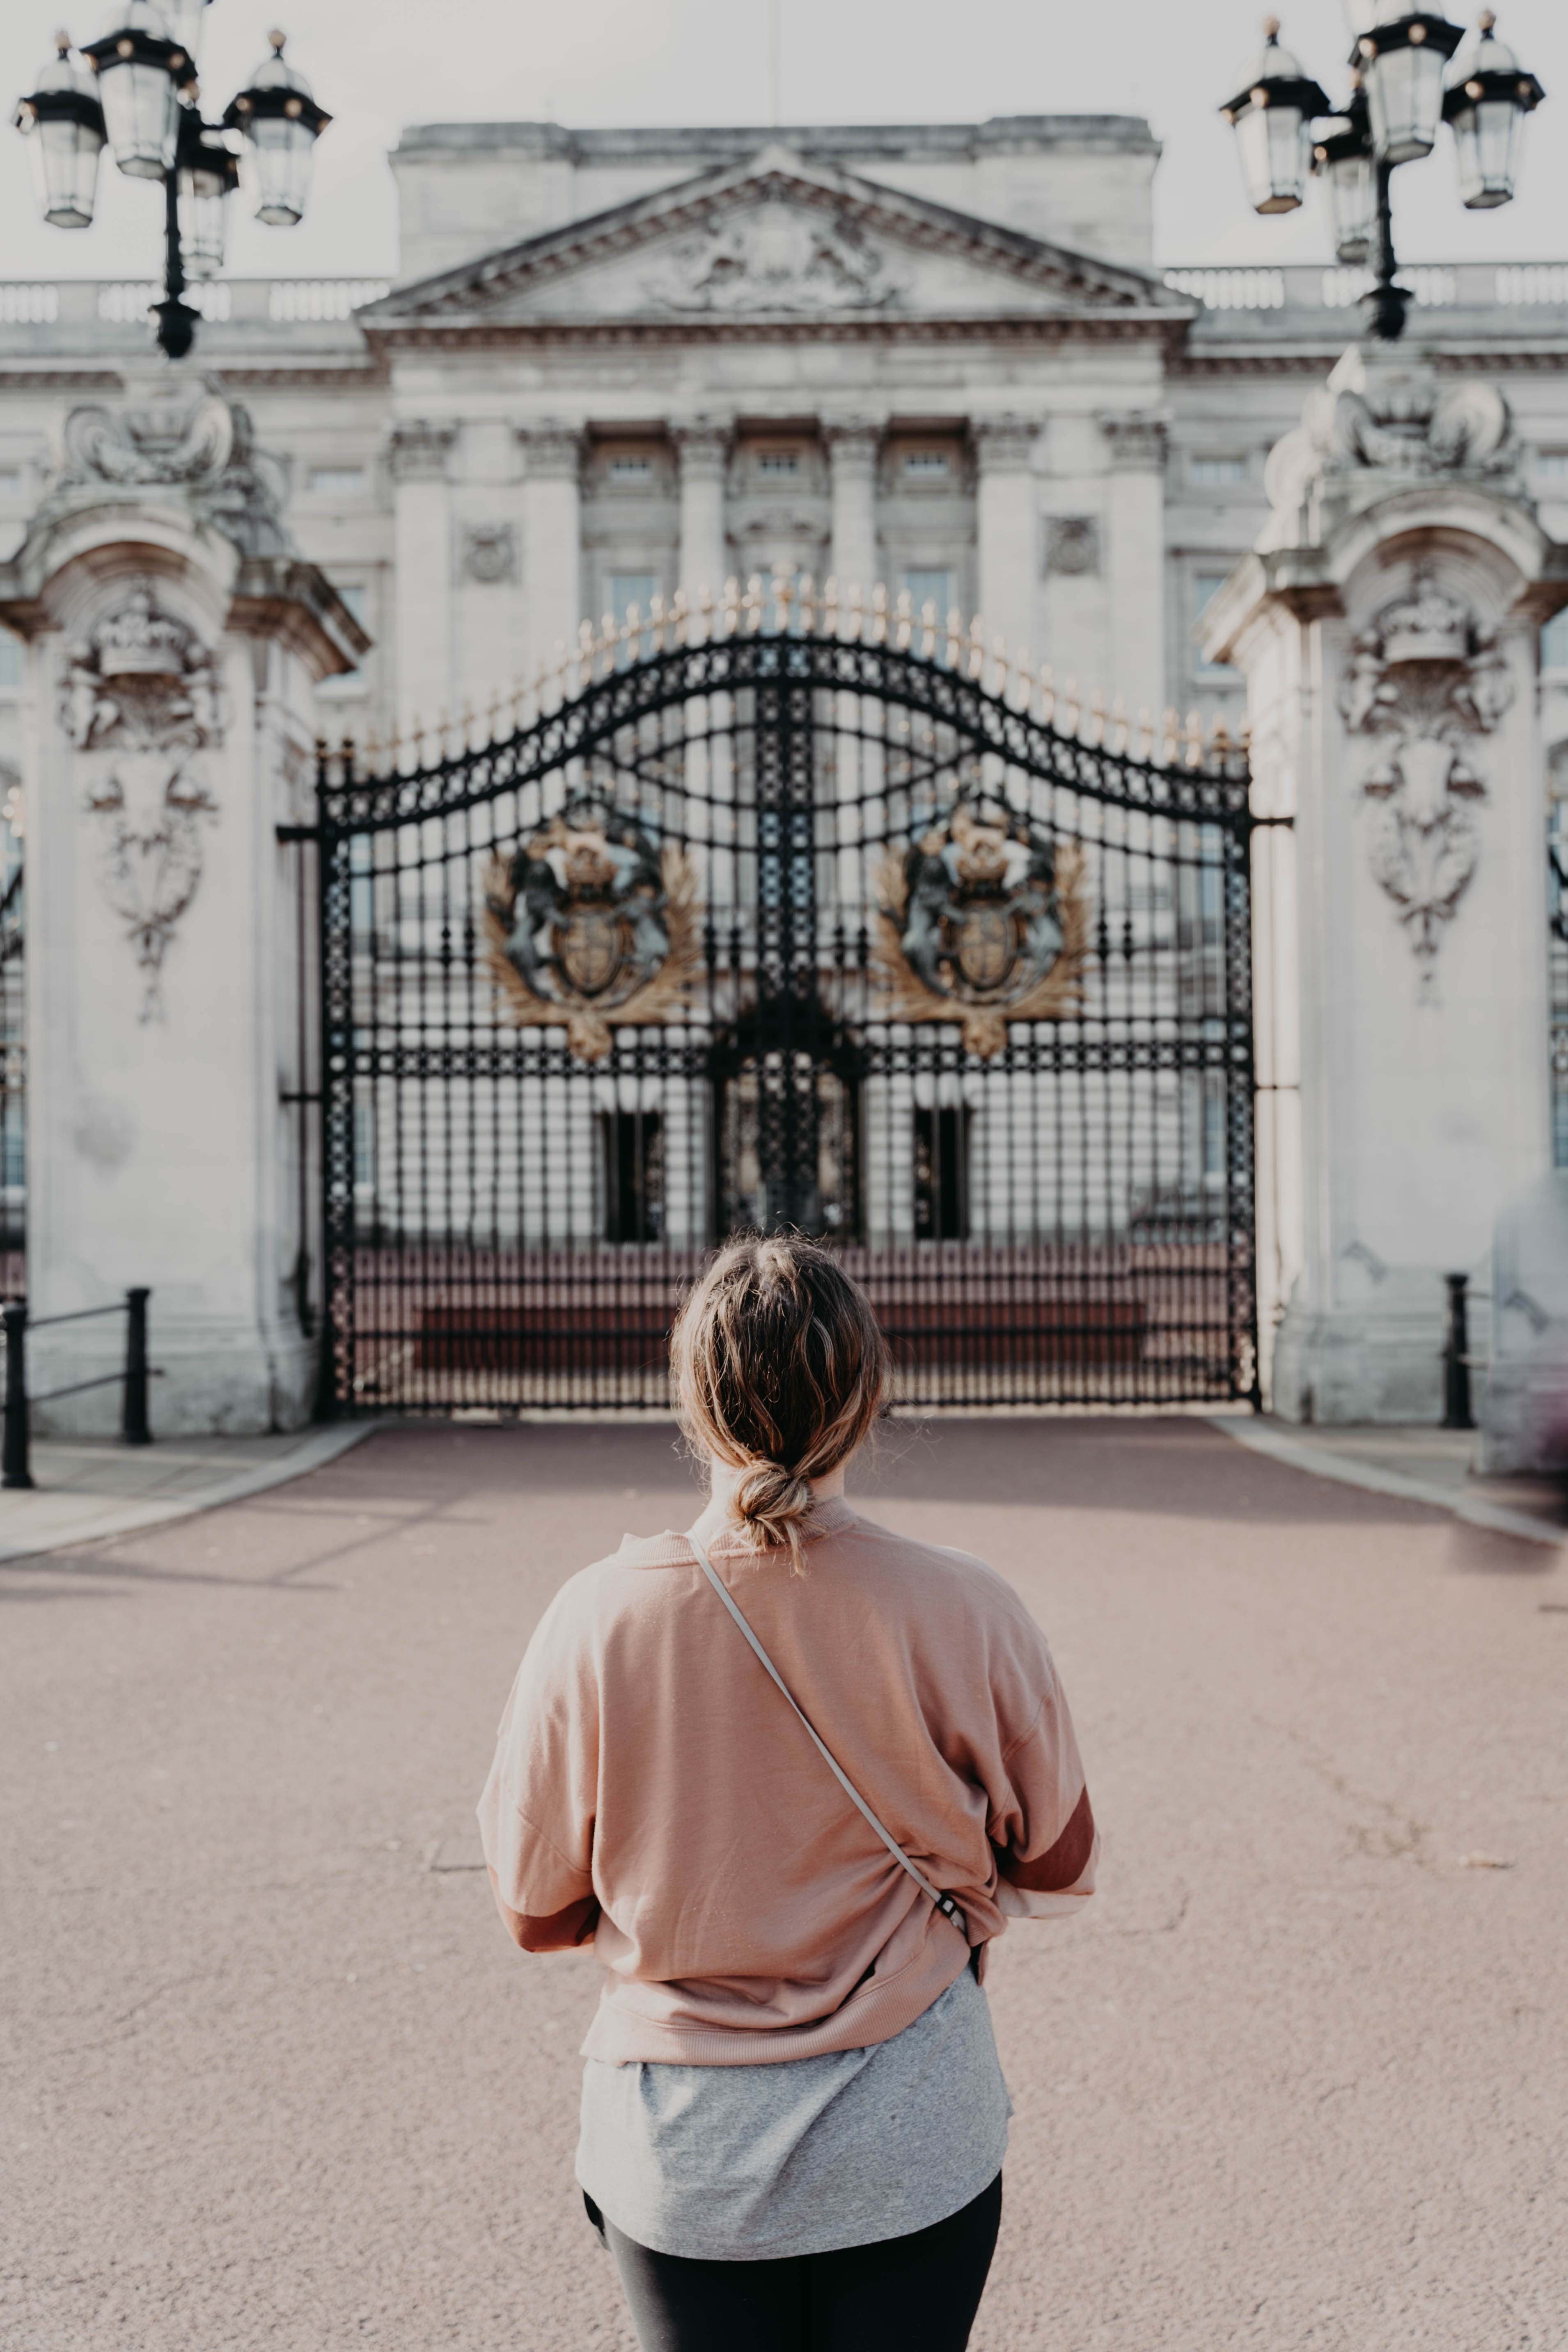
column 942, row 1173
column 631, row 1175
column 938, row 588
column 10, row 662
column 335, row 481
column 10, row 481
column 1206, row 586
column 630, row 473
column 774, row 463
column 1217, row 473
column 364, row 1144
column 1554, row 642
column 927, row 466
column 1551, row 461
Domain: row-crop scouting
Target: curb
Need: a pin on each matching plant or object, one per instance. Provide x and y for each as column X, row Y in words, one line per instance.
column 322, row 1446
column 1320, row 1463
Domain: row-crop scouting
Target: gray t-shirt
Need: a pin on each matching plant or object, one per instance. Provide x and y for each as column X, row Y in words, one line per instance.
column 749, row 2163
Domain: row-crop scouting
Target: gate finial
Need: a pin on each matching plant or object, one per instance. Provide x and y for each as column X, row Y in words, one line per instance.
column 679, row 614
column 1172, row 731
column 731, row 614
column 928, row 630
column 1097, row 716
column 1194, row 738
column 879, row 614
column 830, row 606
column 903, row 616
column 954, row 638
column 1145, row 733
column 999, row 667
column 1119, row 730
column 783, row 593
column 1072, row 709
column 977, row 648
column 808, row 603
column 705, row 609
column 751, row 604
column 856, row 613
column 1024, row 674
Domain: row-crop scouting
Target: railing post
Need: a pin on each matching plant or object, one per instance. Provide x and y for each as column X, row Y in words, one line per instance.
column 1456, row 1411
column 14, row 1469
column 134, row 1426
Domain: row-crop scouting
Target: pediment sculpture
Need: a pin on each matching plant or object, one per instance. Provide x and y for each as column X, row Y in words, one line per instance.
column 590, row 924
column 141, row 700
column 1427, row 680
column 983, row 920
column 777, row 257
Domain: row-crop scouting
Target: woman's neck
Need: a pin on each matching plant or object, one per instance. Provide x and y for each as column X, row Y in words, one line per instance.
column 723, row 1478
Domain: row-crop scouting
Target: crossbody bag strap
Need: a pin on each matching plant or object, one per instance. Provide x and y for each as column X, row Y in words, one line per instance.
column 944, row 1903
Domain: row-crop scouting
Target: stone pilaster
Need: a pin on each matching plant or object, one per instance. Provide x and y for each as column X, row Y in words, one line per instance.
column 174, row 637
column 702, row 452
column 418, row 453
column 1007, row 528
column 552, row 535
column 853, row 446
column 1388, row 627
column 1136, row 530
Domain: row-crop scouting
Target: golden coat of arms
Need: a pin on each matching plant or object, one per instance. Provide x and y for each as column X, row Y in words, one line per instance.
column 983, row 920
column 589, row 924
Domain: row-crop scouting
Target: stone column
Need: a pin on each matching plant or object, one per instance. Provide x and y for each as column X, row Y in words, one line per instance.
column 552, row 537
column 1136, row 526
column 702, row 452
column 1007, row 528
column 417, row 453
column 175, row 638
column 1388, row 626
column 853, row 443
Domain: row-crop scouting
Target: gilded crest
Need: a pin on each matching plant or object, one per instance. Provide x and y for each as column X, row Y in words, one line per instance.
column 983, row 920
column 589, row 924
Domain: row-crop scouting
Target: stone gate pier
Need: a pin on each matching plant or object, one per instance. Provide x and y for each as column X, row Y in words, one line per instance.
column 1389, row 626
column 174, row 637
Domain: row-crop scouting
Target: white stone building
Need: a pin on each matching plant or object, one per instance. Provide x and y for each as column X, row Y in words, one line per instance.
column 619, row 363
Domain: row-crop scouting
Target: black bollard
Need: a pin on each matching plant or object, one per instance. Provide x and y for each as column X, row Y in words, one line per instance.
column 134, row 1427
column 1456, row 1411
column 14, row 1469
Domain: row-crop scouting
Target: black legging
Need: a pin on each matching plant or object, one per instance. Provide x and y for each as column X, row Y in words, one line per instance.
column 918, row 2294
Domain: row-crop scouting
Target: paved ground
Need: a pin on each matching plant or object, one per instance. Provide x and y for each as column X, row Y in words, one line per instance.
column 273, row 2077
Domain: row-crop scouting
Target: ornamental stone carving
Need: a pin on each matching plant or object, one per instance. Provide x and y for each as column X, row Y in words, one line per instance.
column 1072, row 545
column 777, row 258
column 1427, row 682
column 141, row 700
column 1137, row 443
column 1384, row 422
column 168, row 436
column 702, row 445
column 487, row 553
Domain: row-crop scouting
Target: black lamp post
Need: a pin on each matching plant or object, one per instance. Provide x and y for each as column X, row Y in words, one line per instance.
column 135, row 90
column 1406, row 81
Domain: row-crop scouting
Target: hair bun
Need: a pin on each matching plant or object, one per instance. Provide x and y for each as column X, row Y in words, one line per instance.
column 772, row 1499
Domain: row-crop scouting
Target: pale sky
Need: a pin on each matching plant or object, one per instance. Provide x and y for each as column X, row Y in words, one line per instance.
column 613, row 62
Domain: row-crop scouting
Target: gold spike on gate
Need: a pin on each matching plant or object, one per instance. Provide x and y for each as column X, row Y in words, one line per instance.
column 831, row 606
column 808, row 603
column 879, row 614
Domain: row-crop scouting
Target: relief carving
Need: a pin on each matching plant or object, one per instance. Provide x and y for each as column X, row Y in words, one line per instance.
column 1426, row 681
column 141, row 700
column 778, row 258
column 489, row 553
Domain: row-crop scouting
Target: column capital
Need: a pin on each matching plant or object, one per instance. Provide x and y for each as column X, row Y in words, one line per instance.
column 1137, row 442
column 853, row 438
column 553, row 448
column 417, row 448
column 702, row 445
column 1006, row 444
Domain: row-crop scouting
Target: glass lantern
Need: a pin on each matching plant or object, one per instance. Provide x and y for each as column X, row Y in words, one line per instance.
column 140, row 69
column 206, row 173
column 187, row 19
column 64, row 124
column 1488, row 98
column 282, row 122
column 1270, row 115
column 1342, row 157
column 1402, row 62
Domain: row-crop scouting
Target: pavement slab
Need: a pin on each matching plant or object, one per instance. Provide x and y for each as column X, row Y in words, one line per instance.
column 273, row 2077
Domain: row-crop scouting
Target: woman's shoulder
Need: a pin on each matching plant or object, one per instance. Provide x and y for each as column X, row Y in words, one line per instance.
column 936, row 1574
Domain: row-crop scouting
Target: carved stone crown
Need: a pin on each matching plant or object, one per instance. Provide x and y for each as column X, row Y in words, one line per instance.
column 1427, row 625
column 139, row 641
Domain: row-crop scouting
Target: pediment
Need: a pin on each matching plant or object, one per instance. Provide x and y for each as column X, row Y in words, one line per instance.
column 776, row 240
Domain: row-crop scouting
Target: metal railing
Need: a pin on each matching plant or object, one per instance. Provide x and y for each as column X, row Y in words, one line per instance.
column 134, row 1430
column 1436, row 285
column 236, row 301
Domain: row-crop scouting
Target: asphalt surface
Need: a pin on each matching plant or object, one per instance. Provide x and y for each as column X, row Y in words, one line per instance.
column 272, row 2075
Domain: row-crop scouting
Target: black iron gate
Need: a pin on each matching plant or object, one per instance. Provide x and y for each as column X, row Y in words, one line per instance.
column 799, row 925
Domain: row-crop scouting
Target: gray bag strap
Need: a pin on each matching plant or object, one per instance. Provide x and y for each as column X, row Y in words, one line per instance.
column 944, row 1903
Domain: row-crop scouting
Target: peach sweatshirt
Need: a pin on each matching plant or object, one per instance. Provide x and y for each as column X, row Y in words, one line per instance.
column 652, row 1793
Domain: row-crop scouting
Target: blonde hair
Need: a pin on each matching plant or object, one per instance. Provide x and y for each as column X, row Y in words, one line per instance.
column 780, row 1368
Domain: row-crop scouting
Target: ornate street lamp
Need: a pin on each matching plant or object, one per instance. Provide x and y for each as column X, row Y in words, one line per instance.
column 135, row 89
column 1403, row 87
column 64, row 120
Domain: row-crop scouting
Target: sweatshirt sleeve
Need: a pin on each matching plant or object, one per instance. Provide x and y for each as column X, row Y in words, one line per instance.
column 1043, row 1829
column 536, row 1815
